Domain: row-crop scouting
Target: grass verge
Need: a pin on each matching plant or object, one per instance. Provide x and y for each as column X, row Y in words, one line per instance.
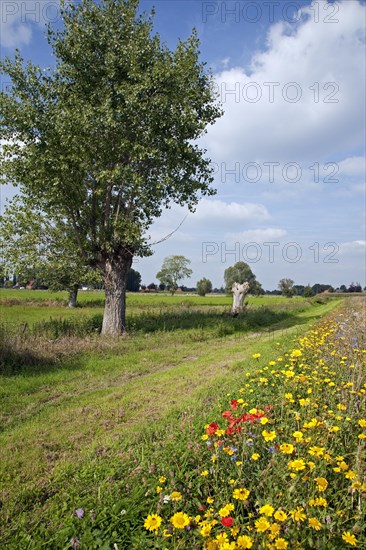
column 85, row 432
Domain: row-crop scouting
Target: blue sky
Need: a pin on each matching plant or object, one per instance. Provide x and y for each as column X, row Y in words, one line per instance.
column 289, row 152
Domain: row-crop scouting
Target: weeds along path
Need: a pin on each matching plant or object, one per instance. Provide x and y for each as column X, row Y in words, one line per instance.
column 60, row 418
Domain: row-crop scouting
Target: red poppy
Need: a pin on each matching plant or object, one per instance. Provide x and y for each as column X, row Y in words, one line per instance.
column 234, row 404
column 227, row 522
column 212, row 428
column 202, row 508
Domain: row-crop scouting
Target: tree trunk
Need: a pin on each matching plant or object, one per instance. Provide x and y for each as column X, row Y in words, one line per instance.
column 73, row 294
column 239, row 293
column 116, row 271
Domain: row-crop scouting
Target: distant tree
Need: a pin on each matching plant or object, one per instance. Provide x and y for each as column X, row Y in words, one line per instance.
column 174, row 269
column 299, row 289
column 162, row 287
column 343, row 288
column 133, row 281
column 42, row 250
column 318, row 288
column 308, row 291
column 152, row 286
column 240, row 273
column 355, row 287
column 257, row 289
column 204, row 286
column 287, row 288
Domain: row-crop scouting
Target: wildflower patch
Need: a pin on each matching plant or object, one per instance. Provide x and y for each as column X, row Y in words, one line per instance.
column 283, row 465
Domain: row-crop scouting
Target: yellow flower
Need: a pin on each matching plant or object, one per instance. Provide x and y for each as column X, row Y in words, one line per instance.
column 322, row 483
column 304, row 402
column 314, row 524
column 152, row 522
column 241, row 494
column 298, row 436
column 176, row 495
column 226, row 510
column 319, row 501
column 222, row 538
column 280, row 515
column 350, row 475
column 256, row 355
column 362, row 423
column 281, row 543
column 356, row 485
column 264, row 420
column 180, row 520
column 206, row 530
column 204, row 473
column 289, row 373
column 297, row 464
column 350, row 539
column 296, row 353
column 244, row 541
column 262, row 525
column 255, row 456
column 159, row 489
column 287, row 448
column 162, row 479
column 269, row 436
column 275, row 529
column 298, row 514
column 266, row 510
column 228, row 546
column 204, row 437
column 209, row 500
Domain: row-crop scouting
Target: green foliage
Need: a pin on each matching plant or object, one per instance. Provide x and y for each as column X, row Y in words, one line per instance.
column 133, row 281
column 204, row 286
column 34, row 247
column 287, row 288
column 241, row 273
column 174, row 268
column 308, row 292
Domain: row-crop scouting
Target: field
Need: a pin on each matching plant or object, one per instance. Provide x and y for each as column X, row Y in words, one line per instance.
column 90, row 425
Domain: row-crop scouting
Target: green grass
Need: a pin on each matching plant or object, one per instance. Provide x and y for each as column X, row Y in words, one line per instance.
column 79, row 415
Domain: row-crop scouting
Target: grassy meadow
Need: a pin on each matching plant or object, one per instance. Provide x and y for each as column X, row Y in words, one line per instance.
column 90, row 425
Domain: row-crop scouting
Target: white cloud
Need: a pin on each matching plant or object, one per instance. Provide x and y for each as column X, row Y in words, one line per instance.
column 318, row 62
column 18, row 18
column 257, row 235
column 353, row 167
column 353, row 246
column 219, row 211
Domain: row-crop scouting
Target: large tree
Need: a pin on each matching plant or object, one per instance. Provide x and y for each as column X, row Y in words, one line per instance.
column 108, row 137
column 34, row 247
column 174, row 269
